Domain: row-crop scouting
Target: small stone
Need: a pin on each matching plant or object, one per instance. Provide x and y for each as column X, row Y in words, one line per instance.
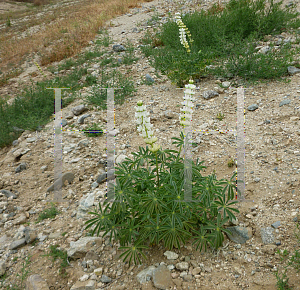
column 239, row 235
column 98, row 271
column 105, row 279
column 171, row 255
column 252, row 107
column 276, row 225
column 162, row 277
column 267, row 235
column 21, row 167
column 118, row 48
column 64, row 123
column 182, row 266
column 226, row 85
column 84, row 278
column 8, row 193
column 149, row 79
column 78, row 110
column 209, row 94
column 82, row 118
column 284, row 102
column 31, row 140
column 257, row 179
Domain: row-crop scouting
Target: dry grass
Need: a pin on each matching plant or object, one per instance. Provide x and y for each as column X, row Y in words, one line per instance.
column 67, row 31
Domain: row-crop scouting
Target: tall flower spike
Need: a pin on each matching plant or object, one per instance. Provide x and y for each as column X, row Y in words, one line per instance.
column 144, row 126
column 183, row 30
column 186, row 117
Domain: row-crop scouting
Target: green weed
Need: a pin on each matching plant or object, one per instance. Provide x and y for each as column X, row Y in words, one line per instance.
column 48, row 213
column 224, row 37
column 56, row 253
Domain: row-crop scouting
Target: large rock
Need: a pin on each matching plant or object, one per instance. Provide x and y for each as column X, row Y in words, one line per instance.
column 293, row 70
column 17, row 244
column 145, row 275
column 36, row 282
column 239, row 235
column 8, row 193
column 78, row 110
column 69, row 176
column 79, row 248
column 162, row 278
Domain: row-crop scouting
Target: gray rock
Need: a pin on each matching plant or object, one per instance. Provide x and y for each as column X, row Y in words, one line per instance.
column 257, row 179
column 188, row 277
column 102, row 177
column 284, row 102
column 64, row 123
column 87, row 285
column 82, row 118
column 17, row 244
column 162, row 278
column 41, row 237
column 84, row 142
column 276, row 225
column 267, row 235
column 182, row 266
column 95, row 184
column 18, row 129
column 44, row 167
column 2, row 268
column 118, row 48
column 20, row 220
column 120, row 158
column 252, row 107
column 239, row 235
column 15, row 142
column 171, row 255
column 149, row 79
column 30, row 235
column 293, row 70
column 8, row 193
column 55, row 236
column 210, row 94
column 21, row 167
column 226, row 85
column 78, row 110
column 79, row 248
column 145, row 275
column 36, row 282
column 105, row 279
column 69, row 176
column 31, row 140
column 85, row 205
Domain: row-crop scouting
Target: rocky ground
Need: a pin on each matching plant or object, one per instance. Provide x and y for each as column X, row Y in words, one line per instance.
column 266, row 221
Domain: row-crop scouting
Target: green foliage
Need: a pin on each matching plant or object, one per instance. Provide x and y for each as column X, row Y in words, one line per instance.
column 225, row 38
column 49, row 213
column 149, row 205
column 8, row 23
column 94, row 131
column 293, row 261
column 220, row 116
column 104, row 40
column 20, row 277
column 230, row 162
column 56, row 253
column 113, row 79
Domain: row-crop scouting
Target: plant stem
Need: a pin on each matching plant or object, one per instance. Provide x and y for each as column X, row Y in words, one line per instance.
column 157, row 170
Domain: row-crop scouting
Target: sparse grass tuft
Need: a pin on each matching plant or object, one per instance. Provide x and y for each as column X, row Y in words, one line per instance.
column 56, row 253
column 49, row 213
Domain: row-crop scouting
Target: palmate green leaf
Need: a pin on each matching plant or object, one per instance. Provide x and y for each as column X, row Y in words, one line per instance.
column 133, row 253
column 216, row 230
column 152, row 230
column 101, row 221
column 129, row 230
column 152, row 202
column 173, row 235
column 201, row 239
column 224, row 206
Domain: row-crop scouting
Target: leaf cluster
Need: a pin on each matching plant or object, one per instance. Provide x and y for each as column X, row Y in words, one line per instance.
column 148, row 205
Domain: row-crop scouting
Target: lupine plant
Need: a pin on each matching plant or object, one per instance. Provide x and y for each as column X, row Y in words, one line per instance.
column 149, row 206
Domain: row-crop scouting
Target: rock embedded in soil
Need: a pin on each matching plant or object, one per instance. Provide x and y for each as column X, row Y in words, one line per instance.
column 162, row 277
column 36, row 282
column 267, row 235
column 239, row 234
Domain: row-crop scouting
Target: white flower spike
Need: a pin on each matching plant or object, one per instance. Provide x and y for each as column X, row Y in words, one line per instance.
column 144, row 126
column 186, row 117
